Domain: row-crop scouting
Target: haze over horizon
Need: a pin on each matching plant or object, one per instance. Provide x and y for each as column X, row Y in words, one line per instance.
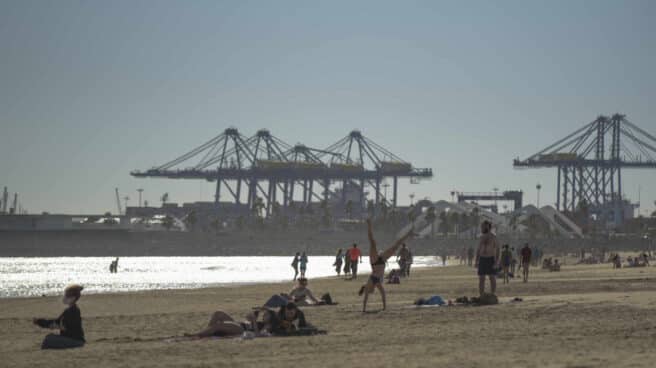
column 93, row 90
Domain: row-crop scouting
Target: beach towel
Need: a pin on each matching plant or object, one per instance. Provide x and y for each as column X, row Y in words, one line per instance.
column 433, row 300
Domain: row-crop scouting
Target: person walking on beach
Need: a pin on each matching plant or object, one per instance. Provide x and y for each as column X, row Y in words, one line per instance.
column 506, row 262
column 487, row 258
column 347, row 263
column 339, row 258
column 303, row 261
column 378, row 261
column 402, row 259
column 470, row 256
column 356, row 256
column 69, row 323
column 525, row 261
column 295, row 264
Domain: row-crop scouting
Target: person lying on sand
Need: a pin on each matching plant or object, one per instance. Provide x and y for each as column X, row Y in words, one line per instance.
column 301, row 294
column 283, row 322
column 69, row 323
column 378, row 262
column 222, row 324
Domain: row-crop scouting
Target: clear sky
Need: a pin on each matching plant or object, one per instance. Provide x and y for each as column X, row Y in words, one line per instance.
column 91, row 90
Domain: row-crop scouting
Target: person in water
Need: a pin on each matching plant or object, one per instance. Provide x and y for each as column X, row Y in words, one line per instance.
column 378, row 261
column 303, row 261
column 487, row 258
column 295, row 264
column 69, row 323
column 339, row 259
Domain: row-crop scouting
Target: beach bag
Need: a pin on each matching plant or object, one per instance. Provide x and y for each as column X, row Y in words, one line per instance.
column 488, row 299
column 327, row 299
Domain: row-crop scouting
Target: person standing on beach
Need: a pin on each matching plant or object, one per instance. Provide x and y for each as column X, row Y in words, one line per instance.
column 295, row 264
column 303, row 262
column 487, row 258
column 470, row 256
column 347, row 263
column 356, row 256
column 402, row 259
column 506, row 262
column 339, row 259
column 378, row 262
column 525, row 261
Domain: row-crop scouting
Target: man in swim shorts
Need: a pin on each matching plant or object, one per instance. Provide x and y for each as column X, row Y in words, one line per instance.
column 487, row 258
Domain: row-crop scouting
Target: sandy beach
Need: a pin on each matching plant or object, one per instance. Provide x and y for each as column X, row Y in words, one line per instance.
column 583, row 316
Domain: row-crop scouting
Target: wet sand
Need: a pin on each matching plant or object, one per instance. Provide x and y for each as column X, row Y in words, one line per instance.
column 583, row 316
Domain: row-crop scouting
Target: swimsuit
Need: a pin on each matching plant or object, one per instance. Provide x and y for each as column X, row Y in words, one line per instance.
column 486, row 266
column 375, row 279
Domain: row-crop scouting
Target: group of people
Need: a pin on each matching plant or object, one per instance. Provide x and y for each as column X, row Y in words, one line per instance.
column 491, row 259
column 285, row 318
column 300, row 261
column 281, row 315
column 349, row 260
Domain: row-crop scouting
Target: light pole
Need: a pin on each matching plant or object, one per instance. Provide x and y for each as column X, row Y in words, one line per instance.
column 538, row 187
column 140, row 190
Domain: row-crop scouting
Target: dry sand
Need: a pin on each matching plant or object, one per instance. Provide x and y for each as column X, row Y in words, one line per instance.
column 584, row 316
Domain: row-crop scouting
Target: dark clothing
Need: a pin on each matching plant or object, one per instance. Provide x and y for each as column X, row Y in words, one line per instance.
column 375, row 280
column 486, row 266
column 53, row 341
column 285, row 326
column 354, row 268
column 69, row 323
column 526, row 255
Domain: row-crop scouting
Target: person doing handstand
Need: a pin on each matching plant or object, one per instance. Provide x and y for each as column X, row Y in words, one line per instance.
column 378, row 261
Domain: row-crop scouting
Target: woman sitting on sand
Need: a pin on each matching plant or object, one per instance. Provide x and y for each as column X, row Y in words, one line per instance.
column 69, row 323
column 301, row 295
column 378, row 262
column 223, row 325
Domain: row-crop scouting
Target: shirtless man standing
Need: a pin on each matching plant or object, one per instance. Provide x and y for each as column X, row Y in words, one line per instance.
column 487, row 258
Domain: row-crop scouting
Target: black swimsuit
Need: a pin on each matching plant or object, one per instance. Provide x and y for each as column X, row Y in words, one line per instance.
column 375, row 279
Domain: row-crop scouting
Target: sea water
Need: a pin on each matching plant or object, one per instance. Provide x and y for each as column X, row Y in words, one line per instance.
column 26, row 277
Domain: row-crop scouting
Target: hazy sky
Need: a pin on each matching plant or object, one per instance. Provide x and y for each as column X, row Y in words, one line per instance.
column 91, row 90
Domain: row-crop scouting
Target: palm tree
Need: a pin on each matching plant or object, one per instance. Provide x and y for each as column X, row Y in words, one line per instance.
column 444, row 223
column 164, row 198
column 454, row 219
column 167, row 222
column 349, row 209
column 430, row 219
column 371, row 209
column 191, row 220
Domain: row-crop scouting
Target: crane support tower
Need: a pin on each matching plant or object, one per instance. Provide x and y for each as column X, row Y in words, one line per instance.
column 589, row 164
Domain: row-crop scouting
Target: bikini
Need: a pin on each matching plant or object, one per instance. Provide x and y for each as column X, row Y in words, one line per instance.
column 375, row 279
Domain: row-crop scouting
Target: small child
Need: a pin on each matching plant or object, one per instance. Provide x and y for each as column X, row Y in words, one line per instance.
column 69, row 323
